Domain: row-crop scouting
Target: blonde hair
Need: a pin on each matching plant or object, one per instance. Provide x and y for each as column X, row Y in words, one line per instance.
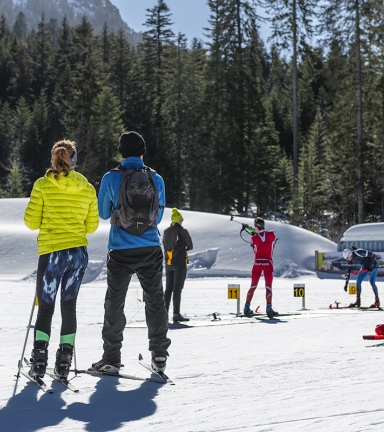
column 62, row 151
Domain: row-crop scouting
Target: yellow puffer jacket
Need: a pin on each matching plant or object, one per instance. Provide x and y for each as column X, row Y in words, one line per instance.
column 65, row 210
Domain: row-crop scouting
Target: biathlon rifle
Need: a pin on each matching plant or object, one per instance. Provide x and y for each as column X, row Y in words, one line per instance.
column 244, row 227
column 348, row 246
column 251, row 231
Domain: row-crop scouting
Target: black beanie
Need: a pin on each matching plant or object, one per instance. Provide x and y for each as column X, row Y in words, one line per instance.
column 131, row 144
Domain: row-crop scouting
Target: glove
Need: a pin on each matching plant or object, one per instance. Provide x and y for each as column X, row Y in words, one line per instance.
column 346, row 276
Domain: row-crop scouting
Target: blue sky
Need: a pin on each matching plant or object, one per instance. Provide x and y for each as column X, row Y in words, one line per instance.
column 188, row 16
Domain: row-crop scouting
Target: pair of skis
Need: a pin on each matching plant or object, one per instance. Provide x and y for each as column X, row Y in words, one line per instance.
column 162, row 377
column 370, row 308
column 50, row 372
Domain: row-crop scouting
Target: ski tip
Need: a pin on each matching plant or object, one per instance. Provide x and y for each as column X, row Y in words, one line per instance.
column 140, row 357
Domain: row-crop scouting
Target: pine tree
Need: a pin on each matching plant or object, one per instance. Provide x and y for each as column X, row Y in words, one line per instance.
column 107, row 127
column 342, row 21
column 86, row 82
column 292, row 21
column 21, row 123
column 15, row 183
column 156, row 40
column 21, row 72
column 20, row 27
column 4, row 29
column 42, row 55
column 6, row 138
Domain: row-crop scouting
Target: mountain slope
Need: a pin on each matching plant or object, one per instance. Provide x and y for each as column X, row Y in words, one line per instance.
column 97, row 11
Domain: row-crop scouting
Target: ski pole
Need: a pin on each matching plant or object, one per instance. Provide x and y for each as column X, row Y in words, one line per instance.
column 26, row 336
column 74, row 358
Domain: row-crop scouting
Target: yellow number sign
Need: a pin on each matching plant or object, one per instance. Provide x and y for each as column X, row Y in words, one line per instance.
column 234, row 292
column 298, row 290
column 353, row 289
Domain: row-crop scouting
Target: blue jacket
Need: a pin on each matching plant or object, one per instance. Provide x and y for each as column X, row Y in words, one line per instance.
column 108, row 199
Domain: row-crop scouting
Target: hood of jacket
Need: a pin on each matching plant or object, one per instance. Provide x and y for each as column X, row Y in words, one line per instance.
column 72, row 183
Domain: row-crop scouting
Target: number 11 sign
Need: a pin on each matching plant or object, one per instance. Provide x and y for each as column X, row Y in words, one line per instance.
column 234, row 293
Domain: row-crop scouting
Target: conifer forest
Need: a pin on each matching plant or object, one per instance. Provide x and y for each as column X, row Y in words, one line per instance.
column 289, row 129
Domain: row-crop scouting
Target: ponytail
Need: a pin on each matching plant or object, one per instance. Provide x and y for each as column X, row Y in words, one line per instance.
column 63, row 153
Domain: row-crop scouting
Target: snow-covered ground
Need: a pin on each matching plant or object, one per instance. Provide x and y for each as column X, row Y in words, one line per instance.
column 308, row 372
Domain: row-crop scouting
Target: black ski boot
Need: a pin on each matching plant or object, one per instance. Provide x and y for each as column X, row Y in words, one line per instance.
column 247, row 310
column 357, row 303
column 270, row 312
column 159, row 363
column 179, row 318
column 376, row 304
column 63, row 360
column 39, row 359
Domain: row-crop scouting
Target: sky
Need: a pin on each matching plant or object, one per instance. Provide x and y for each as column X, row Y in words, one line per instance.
column 188, row 16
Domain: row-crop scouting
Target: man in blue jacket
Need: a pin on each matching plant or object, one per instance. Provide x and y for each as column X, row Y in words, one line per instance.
column 129, row 254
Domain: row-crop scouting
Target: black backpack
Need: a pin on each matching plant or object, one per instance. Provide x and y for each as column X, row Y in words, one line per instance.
column 138, row 205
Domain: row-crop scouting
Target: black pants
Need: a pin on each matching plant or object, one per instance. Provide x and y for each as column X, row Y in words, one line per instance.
column 175, row 278
column 147, row 263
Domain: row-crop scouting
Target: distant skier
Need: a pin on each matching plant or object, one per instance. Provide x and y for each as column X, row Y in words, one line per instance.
column 63, row 205
column 263, row 244
column 177, row 242
column 367, row 260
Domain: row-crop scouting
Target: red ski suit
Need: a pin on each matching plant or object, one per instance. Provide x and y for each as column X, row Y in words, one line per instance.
column 263, row 244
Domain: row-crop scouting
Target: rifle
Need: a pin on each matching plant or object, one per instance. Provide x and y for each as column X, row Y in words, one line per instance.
column 244, row 227
column 251, row 231
column 350, row 247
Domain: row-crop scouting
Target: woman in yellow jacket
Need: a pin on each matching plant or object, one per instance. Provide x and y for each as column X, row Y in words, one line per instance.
column 63, row 205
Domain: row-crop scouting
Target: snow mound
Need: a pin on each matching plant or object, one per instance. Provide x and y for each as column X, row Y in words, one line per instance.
column 289, row 269
column 211, row 234
column 205, row 259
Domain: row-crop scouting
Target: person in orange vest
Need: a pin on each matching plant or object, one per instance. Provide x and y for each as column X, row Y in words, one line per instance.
column 177, row 242
column 263, row 244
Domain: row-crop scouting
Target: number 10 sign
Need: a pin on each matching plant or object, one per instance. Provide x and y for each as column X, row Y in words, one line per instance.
column 299, row 291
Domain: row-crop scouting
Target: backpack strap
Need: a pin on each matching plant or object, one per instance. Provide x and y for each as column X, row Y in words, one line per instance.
column 120, row 169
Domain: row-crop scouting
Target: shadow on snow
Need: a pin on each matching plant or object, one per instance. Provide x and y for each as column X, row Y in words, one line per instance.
column 108, row 408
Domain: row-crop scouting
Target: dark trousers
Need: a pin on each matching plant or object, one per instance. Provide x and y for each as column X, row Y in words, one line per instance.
column 175, row 278
column 147, row 263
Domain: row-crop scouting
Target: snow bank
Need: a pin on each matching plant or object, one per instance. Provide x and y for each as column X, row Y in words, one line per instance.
column 218, row 249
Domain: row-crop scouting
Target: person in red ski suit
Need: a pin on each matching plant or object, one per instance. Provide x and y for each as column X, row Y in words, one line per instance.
column 263, row 244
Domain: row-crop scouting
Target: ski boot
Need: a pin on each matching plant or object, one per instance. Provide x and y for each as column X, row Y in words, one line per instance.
column 179, row 318
column 105, row 366
column 270, row 312
column 159, row 363
column 39, row 359
column 247, row 310
column 376, row 304
column 357, row 303
column 63, row 360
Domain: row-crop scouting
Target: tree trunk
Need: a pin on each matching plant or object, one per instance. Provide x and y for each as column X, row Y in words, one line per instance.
column 360, row 142
column 295, row 125
column 382, row 152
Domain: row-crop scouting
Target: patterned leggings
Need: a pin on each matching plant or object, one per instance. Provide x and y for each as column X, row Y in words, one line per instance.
column 68, row 267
